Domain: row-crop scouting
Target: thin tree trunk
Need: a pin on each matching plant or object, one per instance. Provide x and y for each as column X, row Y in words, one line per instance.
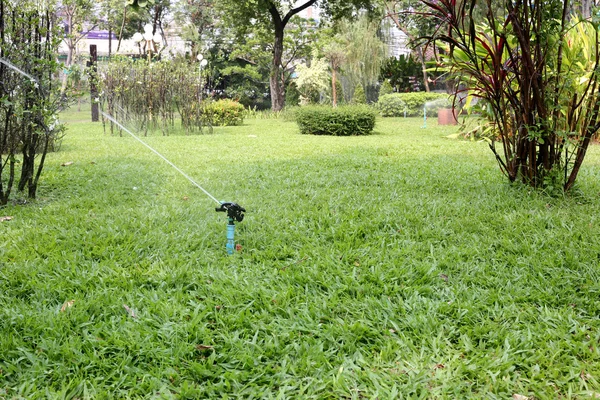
column 424, row 68
column 333, row 86
column 121, row 30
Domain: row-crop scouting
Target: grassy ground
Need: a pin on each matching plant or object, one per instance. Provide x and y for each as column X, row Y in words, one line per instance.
column 399, row 265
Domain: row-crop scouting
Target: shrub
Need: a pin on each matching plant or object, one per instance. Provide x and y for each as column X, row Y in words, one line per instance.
column 224, row 112
column 292, row 95
column 391, row 105
column 386, row 88
column 359, row 96
column 414, row 103
column 339, row 121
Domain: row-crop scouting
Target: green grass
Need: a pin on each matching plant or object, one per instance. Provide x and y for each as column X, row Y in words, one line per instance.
column 396, row 265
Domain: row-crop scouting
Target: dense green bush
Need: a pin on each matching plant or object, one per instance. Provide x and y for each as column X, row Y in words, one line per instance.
column 393, row 105
column 224, row 112
column 359, row 96
column 386, row 88
column 339, row 121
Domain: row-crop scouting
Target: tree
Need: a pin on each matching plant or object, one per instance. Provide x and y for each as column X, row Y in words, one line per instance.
column 366, row 52
column 407, row 16
column 335, row 52
column 198, row 21
column 276, row 15
column 536, row 74
column 79, row 19
column 29, row 101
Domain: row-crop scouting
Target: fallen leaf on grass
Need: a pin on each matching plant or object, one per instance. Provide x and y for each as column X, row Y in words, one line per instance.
column 129, row 311
column 519, row 397
column 585, row 376
column 444, row 277
column 2, row 219
column 203, row 347
column 67, row 304
column 66, row 164
column 185, row 198
column 238, row 247
column 439, row 366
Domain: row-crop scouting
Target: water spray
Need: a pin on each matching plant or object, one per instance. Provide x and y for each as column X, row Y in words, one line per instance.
column 20, row 71
column 235, row 212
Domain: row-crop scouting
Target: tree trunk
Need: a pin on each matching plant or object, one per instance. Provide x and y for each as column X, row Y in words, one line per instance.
column 276, row 83
column 333, row 87
column 121, row 30
column 424, row 68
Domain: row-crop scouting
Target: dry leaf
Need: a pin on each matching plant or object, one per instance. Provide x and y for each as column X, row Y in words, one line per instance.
column 444, row 277
column 238, row 247
column 129, row 311
column 185, row 198
column 67, row 304
column 2, row 219
column 585, row 376
column 519, row 397
column 203, row 347
column 439, row 366
column 66, row 164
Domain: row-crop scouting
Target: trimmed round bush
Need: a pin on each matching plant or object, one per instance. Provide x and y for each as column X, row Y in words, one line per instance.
column 391, row 105
column 224, row 112
column 395, row 103
column 339, row 121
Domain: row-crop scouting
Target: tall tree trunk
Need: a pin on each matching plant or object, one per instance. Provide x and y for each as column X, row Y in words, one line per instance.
column 333, row 86
column 276, row 84
column 424, row 68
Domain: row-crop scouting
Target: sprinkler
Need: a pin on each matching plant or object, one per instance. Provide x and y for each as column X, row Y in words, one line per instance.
column 234, row 213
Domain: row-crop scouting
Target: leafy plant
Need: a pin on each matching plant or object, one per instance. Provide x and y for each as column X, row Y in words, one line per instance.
column 224, row 112
column 153, row 95
column 386, row 88
column 29, row 99
column 536, row 72
column 339, row 121
column 359, row 96
column 392, row 105
column 313, row 80
column 396, row 104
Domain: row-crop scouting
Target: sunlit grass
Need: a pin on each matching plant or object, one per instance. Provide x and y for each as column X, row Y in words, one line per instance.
column 395, row 265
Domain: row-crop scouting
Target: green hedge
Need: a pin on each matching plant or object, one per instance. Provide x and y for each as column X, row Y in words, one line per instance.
column 339, row 121
column 393, row 105
column 224, row 112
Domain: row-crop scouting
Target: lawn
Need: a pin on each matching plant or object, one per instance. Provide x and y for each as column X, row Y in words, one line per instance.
column 397, row 265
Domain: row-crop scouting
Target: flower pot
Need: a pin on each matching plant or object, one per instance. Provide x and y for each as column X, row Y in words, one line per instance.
column 447, row 116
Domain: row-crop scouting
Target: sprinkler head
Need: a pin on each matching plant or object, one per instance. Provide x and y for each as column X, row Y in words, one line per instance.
column 233, row 210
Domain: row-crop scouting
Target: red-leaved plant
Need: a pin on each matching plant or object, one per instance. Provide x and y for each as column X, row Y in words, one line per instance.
column 534, row 69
